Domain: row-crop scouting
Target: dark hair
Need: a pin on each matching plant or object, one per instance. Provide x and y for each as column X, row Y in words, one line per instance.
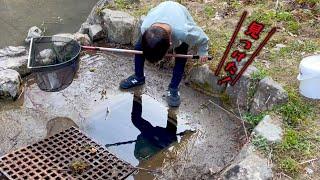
column 155, row 43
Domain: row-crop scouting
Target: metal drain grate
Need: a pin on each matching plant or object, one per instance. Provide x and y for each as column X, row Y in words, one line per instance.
column 51, row 159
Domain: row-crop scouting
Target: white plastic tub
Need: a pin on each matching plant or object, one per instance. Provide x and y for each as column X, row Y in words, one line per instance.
column 309, row 77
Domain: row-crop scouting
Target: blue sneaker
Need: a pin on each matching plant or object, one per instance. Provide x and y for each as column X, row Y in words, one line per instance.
column 173, row 97
column 132, row 81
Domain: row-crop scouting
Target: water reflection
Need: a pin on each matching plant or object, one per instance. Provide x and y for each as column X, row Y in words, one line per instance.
column 151, row 139
column 135, row 127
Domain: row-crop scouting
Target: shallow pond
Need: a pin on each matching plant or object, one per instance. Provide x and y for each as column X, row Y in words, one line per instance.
column 56, row 16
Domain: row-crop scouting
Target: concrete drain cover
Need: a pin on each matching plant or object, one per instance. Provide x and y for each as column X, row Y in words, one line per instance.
column 67, row 155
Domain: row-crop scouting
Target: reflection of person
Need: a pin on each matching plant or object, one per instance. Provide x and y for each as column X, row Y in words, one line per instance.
column 167, row 26
column 152, row 139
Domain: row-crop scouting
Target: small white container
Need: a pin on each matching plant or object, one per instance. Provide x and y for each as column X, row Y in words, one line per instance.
column 309, row 77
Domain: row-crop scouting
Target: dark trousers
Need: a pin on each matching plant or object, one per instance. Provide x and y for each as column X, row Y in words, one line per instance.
column 178, row 69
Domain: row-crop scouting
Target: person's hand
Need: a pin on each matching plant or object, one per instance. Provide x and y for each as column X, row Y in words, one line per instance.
column 203, row 59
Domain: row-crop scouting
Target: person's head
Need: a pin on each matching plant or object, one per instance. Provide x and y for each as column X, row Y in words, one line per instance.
column 155, row 43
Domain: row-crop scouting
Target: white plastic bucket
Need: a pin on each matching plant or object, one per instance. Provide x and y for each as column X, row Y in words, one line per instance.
column 309, row 77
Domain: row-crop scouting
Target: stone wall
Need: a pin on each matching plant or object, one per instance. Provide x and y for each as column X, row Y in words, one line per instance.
column 249, row 94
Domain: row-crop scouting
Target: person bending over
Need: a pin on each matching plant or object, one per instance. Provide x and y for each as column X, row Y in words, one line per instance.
column 167, row 26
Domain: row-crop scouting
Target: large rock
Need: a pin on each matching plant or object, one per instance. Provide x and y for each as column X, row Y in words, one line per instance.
column 15, row 58
column 10, row 84
column 253, row 167
column 269, row 93
column 241, row 93
column 96, row 32
column 95, row 15
column 249, row 164
column 270, row 129
column 119, row 26
column 33, row 32
column 12, row 51
column 203, row 76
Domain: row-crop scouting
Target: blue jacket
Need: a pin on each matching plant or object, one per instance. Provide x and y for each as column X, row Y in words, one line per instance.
column 184, row 29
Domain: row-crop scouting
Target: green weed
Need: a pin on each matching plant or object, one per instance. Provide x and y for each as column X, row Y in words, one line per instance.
column 258, row 75
column 261, row 144
column 293, row 27
column 209, row 11
column 294, row 141
column 253, row 119
column 121, row 4
column 296, row 111
column 289, row 165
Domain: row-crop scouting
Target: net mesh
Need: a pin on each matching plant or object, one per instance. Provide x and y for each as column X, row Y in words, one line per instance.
column 52, row 51
column 54, row 61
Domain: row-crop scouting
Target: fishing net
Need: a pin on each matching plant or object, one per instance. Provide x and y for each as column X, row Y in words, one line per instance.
column 54, row 61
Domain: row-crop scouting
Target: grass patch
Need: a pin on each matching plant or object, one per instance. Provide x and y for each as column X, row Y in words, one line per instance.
column 277, row 18
column 293, row 27
column 261, row 144
column 258, row 75
column 296, row 111
column 289, row 165
column 119, row 5
column 265, row 17
column 209, row 11
column 253, row 119
column 294, row 141
column 300, row 139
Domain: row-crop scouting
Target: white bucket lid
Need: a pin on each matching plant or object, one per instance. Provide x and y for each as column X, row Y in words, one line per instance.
column 309, row 67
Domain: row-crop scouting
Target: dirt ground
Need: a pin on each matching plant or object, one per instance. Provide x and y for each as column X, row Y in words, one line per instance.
column 216, row 141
